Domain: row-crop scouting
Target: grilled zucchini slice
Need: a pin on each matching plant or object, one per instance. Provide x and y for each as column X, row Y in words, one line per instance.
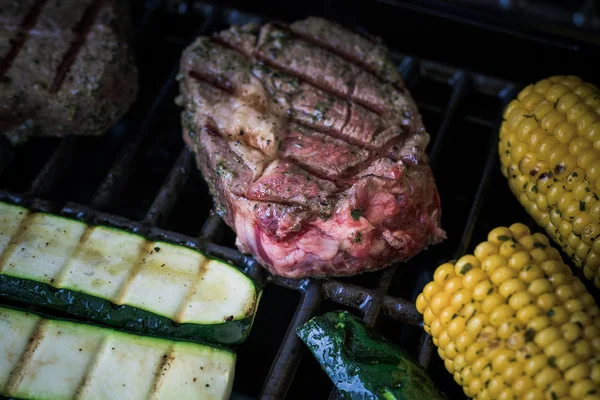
column 44, row 358
column 121, row 279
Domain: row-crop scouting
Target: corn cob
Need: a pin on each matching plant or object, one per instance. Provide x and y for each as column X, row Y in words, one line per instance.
column 512, row 322
column 550, row 152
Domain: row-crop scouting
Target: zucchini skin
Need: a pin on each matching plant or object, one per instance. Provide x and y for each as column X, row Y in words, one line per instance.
column 125, row 317
column 362, row 363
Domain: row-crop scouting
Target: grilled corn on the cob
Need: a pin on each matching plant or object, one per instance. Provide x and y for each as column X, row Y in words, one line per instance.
column 550, row 152
column 512, row 322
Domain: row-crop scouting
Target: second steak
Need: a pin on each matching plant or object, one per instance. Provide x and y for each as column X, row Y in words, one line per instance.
column 66, row 67
column 313, row 149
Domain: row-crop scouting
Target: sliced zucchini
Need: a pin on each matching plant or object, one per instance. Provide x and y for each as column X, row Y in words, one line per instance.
column 43, row 358
column 122, row 279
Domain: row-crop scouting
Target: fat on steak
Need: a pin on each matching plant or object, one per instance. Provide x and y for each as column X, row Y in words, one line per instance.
column 312, row 147
column 66, row 67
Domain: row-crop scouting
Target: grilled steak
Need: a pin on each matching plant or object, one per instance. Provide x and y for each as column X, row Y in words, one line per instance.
column 65, row 67
column 313, row 149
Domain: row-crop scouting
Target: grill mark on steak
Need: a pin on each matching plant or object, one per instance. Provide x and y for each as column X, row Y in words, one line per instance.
column 348, row 116
column 364, row 52
column 335, row 135
column 316, row 84
column 219, row 39
column 321, row 152
column 339, row 183
column 81, row 31
column 218, row 82
column 22, row 35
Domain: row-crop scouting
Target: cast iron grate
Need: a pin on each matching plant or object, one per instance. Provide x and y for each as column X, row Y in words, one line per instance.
column 583, row 14
column 140, row 177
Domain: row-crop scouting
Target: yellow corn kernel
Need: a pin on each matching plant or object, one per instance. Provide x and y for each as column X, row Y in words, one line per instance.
column 447, row 315
column 546, row 376
column 442, row 274
column 514, row 324
column 581, row 388
column 476, row 324
column 528, row 313
column 556, row 121
column 465, row 264
column 429, row 290
column 421, row 303
column 453, row 285
column 522, row 385
column 559, row 389
column 483, row 250
column 461, row 298
column 473, row 277
column 566, row 361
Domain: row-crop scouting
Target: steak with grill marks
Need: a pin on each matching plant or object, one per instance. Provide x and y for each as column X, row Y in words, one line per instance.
column 65, row 67
column 312, row 147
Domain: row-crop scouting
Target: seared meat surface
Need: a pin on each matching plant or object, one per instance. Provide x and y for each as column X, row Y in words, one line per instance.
column 313, row 149
column 66, row 67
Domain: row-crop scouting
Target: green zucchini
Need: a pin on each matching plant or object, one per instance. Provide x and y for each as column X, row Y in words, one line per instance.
column 43, row 358
column 123, row 280
column 362, row 363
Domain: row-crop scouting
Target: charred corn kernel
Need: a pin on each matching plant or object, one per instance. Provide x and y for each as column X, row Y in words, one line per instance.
column 514, row 324
column 553, row 165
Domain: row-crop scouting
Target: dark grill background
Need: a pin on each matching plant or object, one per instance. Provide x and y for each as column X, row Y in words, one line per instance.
column 140, row 176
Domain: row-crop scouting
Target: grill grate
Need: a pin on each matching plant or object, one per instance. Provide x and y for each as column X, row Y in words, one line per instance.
column 583, row 14
column 141, row 178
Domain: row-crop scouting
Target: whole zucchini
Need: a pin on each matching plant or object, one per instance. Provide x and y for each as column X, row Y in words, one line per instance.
column 362, row 363
column 550, row 152
column 121, row 279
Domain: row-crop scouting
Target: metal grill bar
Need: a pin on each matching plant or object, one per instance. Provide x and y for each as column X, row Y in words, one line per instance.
column 373, row 306
column 346, row 294
column 460, row 89
column 117, row 177
column 490, row 166
column 586, row 17
column 294, row 284
column 467, row 117
column 213, row 227
column 166, row 197
column 255, row 271
column 291, row 350
column 425, row 349
column 409, row 68
column 56, row 165
column 401, row 310
column 7, row 154
column 151, row 11
column 486, row 177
